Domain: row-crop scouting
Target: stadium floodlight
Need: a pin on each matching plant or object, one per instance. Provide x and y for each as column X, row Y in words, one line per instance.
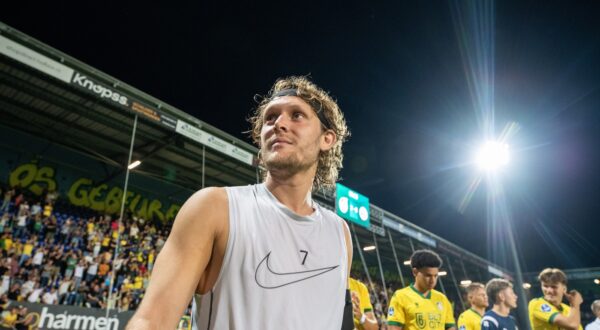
column 492, row 155
column 526, row 286
column 465, row 283
column 407, row 263
column 443, row 273
column 597, row 281
column 134, row 165
column 369, row 248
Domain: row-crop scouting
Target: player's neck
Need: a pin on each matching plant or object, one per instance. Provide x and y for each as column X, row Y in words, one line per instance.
column 555, row 303
column 423, row 290
column 293, row 192
column 501, row 309
column 479, row 310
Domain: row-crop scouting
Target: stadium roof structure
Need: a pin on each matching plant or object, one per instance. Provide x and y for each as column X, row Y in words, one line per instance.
column 56, row 97
column 49, row 94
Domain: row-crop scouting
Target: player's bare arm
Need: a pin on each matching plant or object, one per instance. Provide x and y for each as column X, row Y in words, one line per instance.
column 189, row 262
column 369, row 322
column 573, row 320
column 348, row 246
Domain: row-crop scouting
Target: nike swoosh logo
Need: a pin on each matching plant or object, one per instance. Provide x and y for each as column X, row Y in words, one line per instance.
column 267, row 278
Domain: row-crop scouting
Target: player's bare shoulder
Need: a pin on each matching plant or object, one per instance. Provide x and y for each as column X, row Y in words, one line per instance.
column 208, row 205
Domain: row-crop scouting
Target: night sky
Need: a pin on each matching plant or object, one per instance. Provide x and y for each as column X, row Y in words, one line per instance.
column 403, row 75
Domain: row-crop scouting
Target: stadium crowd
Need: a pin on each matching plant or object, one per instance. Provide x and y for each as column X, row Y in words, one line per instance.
column 53, row 253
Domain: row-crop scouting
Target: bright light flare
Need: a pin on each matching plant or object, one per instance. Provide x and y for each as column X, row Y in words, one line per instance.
column 526, row 286
column 407, row 263
column 492, row 155
column 443, row 273
column 597, row 281
column 134, row 165
column 465, row 283
column 369, row 248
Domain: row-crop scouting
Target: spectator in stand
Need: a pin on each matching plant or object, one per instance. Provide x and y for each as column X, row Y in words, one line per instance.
column 18, row 200
column 36, row 209
column 14, row 292
column 10, row 319
column 103, row 269
column 21, row 220
column 35, row 295
column 79, row 270
column 5, row 222
column 4, row 287
column 3, row 302
column 8, row 195
column 92, row 270
column 46, row 273
column 48, row 207
column 50, row 225
column 29, row 285
column 93, row 297
column 38, row 257
column 24, row 319
column 50, row 297
column 63, row 289
column 27, row 250
column 13, row 264
column 71, row 263
column 51, row 197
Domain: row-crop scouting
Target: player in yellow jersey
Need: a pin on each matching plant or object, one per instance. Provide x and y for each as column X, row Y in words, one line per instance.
column 361, row 306
column 548, row 312
column 419, row 306
column 478, row 301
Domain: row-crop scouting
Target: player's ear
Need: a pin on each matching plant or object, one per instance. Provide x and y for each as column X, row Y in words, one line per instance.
column 328, row 139
column 501, row 296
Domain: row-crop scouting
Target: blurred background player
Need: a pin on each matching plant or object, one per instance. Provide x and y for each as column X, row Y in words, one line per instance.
column 548, row 312
column 595, row 325
column 419, row 306
column 361, row 306
column 478, row 301
column 503, row 297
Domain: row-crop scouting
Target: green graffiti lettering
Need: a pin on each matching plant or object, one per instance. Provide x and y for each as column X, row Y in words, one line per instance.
column 142, row 211
column 154, row 210
column 172, row 212
column 44, row 175
column 113, row 200
column 77, row 194
column 134, row 202
column 23, row 175
column 95, row 203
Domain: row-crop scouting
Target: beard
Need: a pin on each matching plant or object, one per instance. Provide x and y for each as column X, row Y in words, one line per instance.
column 287, row 165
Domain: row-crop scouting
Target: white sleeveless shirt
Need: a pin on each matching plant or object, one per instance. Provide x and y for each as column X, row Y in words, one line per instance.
column 280, row 270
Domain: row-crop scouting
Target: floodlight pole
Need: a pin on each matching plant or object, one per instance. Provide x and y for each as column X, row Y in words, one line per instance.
column 396, row 258
column 112, row 273
column 362, row 259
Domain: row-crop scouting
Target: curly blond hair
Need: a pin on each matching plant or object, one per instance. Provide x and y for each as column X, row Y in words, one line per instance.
column 330, row 161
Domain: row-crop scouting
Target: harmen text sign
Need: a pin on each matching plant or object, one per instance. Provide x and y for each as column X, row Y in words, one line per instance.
column 352, row 206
